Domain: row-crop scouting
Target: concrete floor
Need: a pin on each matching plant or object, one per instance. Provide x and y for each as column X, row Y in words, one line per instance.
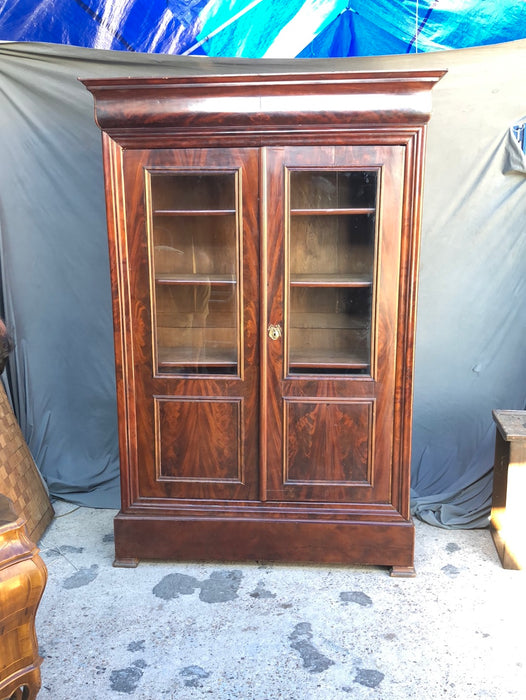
column 227, row 631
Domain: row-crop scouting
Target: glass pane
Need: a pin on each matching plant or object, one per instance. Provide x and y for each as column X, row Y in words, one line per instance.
column 330, row 330
column 196, row 324
column 195, row 264
column 331, row 271
column 193, row 191
column 339, row 244
column 321, row 189
column 187, row 245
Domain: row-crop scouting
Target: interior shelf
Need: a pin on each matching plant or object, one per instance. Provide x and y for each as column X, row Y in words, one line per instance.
column 332, row 212
column 329, row 321
column 194, row 212
column 191, row 278
column 337, row 359
column 330, row 280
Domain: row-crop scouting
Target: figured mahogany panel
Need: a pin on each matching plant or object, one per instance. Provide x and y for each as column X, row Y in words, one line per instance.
column 199, row 439
column 328, row 442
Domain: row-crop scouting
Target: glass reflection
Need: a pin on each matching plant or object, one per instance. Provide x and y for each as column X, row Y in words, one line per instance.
column 332, row 231
column 194, row 229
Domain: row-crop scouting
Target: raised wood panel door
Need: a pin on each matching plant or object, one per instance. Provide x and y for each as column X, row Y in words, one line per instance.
column 192, row 246
column 334, row 249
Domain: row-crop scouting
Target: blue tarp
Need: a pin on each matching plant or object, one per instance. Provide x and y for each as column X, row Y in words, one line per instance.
column 265, row 28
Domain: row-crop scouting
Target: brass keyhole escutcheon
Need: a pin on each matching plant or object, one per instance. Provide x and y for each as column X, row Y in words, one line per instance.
column 274, row 331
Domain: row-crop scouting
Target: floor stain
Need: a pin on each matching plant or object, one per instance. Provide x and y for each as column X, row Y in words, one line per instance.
column 313, row 660
column 450, row 570
column 126, row 680
column 356, row 597
column 70, row 549
column 261, row 592
column 193, row 675
column 369, row 677
column 220, row 587
column 174, row 585
column 81, row 577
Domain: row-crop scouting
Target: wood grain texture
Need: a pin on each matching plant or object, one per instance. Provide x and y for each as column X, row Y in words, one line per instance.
column 303, row 193
column 263, row 102
column 507, row 523
column 292, row 539
column 327, row 442
column 378, row 353
column 23, row 577
column 225, row 336
column 199, row 439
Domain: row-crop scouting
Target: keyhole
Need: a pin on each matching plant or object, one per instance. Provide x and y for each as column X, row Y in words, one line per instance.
column 274, row 332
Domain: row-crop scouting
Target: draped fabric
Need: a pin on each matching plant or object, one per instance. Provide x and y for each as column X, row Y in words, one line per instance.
column 470, row 342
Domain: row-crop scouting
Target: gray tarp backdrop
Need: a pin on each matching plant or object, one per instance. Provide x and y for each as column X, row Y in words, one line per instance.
column 471, row 340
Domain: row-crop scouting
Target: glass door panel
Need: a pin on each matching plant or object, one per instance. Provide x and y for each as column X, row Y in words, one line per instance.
column 332, row 250
column 324, row 189
column 193, row 191
column 196, row 260
column 329, row 329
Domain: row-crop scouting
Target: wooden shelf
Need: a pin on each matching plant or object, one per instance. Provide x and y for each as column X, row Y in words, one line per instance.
column 328, row 321
column 191, row 278
column 193, row 212
column 332, row 212
column 314, row 359
column 330, row 280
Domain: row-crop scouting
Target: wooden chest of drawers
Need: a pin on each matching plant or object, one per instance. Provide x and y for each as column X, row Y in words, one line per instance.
column 23, row 576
